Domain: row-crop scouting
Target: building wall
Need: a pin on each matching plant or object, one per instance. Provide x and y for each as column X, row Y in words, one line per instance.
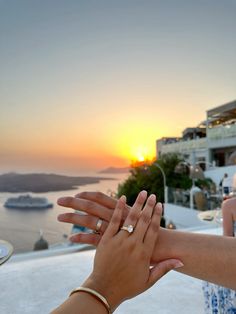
column 215, row 148
column 216, row 174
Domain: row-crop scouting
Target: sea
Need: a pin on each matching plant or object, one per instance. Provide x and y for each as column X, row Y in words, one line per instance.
column 22, row 227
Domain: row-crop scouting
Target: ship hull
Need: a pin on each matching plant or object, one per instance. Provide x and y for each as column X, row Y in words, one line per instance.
column 27, row 202
column 28, row 206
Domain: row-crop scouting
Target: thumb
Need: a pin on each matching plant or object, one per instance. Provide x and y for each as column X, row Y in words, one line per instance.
column 163, row 268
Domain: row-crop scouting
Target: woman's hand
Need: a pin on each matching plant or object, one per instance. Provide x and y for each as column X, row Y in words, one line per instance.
column 96, row 205
column 122, row 261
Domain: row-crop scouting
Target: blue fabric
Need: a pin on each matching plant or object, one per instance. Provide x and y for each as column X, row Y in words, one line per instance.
column 219, row 300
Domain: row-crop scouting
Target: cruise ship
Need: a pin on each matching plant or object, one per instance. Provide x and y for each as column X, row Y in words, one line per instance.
column 27, row 202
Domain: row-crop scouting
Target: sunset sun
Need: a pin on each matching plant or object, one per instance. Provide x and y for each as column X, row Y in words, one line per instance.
column 142, row 154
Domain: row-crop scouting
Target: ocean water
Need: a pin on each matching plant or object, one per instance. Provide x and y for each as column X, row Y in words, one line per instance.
column 21, row 228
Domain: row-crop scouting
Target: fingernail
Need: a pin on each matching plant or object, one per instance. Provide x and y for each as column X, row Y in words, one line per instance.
column 178, row 264
column 152, row 197
column 123, row 198
column 159, row 208
column 143, row 193
column 61, row 200
column 60, row 217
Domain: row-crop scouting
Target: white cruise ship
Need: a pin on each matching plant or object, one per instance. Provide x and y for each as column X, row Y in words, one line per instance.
column 27, row 202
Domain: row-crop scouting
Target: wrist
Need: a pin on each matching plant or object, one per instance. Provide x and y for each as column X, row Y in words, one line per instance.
column 164, row 247
column 94, row 295
column 107, row 292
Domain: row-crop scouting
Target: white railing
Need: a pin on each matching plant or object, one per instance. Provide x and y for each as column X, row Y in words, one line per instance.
column 181, row 146
column 222, row 131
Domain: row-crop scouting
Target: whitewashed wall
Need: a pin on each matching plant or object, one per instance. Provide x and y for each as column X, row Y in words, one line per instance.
column 217, row 174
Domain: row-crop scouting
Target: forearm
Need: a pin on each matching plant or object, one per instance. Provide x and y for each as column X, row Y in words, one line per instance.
column 80, row 303
column 207, row 257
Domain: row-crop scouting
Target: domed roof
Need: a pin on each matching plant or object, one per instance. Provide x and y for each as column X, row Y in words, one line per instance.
column 41, row 244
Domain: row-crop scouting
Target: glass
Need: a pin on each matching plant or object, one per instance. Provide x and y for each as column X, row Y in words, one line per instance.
column 6, row 250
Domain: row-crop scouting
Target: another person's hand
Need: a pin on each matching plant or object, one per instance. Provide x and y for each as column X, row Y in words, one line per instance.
column 122, row 261
column 95, row 205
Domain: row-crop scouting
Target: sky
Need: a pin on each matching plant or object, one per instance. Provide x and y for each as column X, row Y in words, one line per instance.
column 89, row 84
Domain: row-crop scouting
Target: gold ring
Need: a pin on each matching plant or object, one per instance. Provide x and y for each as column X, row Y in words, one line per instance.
column 128, row 228
column 98, row 226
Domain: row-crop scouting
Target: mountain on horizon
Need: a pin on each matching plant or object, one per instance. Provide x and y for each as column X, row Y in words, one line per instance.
column 42, row 182
column 115, row 170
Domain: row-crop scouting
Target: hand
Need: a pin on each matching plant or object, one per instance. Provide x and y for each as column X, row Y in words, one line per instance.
column 122, row 261
column 96, row 205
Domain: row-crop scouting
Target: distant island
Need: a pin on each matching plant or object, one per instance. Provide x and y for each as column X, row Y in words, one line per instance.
column 115, row 170
column 41, row 182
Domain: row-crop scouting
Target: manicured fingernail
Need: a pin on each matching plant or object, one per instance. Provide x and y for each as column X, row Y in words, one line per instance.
column 143, row 193
column 159, row 208
column 123, row 198
column 178, row 264
column 152, row 197
column 61, row 200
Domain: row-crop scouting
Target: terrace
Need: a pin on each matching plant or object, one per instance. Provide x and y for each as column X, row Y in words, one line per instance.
column 38, row 282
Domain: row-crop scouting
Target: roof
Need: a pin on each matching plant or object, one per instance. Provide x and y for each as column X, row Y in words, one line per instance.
column 223, row 113
column 195, row 130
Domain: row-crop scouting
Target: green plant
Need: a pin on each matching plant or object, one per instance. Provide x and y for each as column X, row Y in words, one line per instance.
column 148, row 177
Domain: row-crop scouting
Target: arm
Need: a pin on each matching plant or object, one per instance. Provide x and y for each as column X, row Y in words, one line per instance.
column 228, row 228
column 81, row 303
column 208, row 257
column 120, row 280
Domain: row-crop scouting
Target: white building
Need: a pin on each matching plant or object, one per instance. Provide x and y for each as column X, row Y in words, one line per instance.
column 211, row 142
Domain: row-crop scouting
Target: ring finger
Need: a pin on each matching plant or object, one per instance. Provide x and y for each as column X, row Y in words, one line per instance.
column 87, row 221
column 133, row 216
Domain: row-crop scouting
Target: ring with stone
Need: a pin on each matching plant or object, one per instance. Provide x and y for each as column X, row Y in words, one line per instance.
column 98, row 226
column 129, row 228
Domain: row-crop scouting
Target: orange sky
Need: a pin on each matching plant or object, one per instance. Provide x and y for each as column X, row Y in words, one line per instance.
column 83, row 88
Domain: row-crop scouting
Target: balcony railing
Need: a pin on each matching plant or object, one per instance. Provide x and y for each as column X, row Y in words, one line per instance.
column 222, row 131
column 181, row 146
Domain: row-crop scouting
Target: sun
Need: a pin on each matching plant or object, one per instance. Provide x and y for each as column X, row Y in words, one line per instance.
column 140, row 158
column 142, row 154
column 135, row 144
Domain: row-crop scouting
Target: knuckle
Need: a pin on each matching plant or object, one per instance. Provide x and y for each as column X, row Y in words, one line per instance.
column 115, row 219
column 90, row 206
column 98, row 195
column 165, row 270
column 86, row 219
column 133, row 216
column 81, row 195
column 139, row 251
column 145, row 217
column 155, row 226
